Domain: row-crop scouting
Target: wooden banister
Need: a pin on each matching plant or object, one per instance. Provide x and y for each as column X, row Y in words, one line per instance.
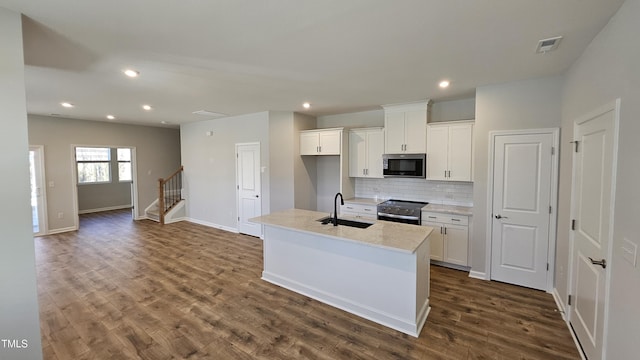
column 172, row 184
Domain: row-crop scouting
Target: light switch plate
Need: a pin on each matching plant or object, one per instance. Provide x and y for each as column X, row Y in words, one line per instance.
column 630, row 251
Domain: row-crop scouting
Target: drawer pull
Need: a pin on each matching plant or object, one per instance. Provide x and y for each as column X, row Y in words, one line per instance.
column 367, row 209
column 432, row 217
column 455, row 219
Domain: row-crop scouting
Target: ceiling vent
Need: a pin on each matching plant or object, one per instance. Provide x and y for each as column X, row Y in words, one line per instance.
column 208, row 113
column 546, row 45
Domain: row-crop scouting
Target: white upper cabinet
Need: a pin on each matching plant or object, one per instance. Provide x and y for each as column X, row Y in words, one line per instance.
column 450, row 151
column 366, row 147
column 406, row 128
column 320, row 142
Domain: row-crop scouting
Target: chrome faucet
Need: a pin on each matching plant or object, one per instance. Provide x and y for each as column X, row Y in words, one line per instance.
column 335, row 208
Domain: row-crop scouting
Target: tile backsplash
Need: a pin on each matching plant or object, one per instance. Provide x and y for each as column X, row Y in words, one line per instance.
column 436, row 192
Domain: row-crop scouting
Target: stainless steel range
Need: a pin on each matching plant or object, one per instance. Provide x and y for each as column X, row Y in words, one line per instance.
column 409, row 212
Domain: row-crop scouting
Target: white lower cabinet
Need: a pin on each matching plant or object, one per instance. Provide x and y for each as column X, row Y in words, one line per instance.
column 450, row 237
column 360, row 211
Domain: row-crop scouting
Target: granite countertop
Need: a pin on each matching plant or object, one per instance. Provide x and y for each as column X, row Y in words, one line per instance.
column 364, row 201
column 449, row 209
column 384, row 234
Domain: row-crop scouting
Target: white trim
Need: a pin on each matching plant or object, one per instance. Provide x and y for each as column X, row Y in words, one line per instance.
column 478, row 275
column 615, row 107
column 171, row 221
column 212, row 225
column 108, row 208
column 553, row 217
column 44, row 230
column 62, row 230
column 559, row 303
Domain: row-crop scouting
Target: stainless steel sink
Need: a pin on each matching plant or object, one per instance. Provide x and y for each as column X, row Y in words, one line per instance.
column 351, row 223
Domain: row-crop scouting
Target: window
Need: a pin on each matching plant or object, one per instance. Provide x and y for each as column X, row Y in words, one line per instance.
column 124, row 165
column 93, row 165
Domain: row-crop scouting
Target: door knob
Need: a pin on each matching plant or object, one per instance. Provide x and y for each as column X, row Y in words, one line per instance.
column 602, row 262
column 257, row 195
column 501, row 217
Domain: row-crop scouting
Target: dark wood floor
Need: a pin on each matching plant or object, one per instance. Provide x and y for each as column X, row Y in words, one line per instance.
column 119, row 289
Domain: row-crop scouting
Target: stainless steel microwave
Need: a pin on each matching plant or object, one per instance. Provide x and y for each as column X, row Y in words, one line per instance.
column 404, row 165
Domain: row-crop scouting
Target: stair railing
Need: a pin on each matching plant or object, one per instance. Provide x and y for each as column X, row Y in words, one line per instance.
column 170, row 193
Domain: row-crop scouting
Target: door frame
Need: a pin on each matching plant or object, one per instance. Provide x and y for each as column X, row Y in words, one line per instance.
column 615, row 107
column 43, row 178
column 553, row 217
column 74, row 181
column 237, row 145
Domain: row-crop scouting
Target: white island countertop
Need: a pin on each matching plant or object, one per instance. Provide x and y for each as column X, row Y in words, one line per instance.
column 390, row 235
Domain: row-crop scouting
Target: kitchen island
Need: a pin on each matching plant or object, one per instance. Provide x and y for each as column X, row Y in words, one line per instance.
column 380, row 273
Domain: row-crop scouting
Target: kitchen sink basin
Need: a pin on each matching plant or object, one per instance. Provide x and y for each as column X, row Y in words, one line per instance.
column 351, row 223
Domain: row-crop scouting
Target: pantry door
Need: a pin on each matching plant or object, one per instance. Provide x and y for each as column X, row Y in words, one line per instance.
column 248, row 186
column 524, row 168
column 592, row 200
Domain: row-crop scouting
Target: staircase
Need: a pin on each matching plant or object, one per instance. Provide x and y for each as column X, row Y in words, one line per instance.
column 169, row 206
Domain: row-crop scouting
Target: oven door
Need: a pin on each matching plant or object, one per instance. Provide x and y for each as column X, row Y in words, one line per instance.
column 404, row 165
column 399, row 218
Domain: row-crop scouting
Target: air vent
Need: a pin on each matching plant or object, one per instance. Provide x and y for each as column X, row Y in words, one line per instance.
column 208, row 113
column 546, row 45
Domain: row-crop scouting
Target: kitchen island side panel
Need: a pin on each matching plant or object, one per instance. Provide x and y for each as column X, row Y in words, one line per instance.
column 385, row 286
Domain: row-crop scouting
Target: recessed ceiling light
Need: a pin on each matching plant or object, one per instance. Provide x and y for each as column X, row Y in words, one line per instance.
column 306, row 105
column 444, row 83
column 146, row 107
column 111, row 117
column 67, row 105
column 131, row 73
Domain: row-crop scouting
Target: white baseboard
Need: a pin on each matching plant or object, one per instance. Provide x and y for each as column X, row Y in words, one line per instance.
column 217, row 226
column 61, row 230
column 109, row 208
column 559, row 303
column 478, row 275
column 175, row 220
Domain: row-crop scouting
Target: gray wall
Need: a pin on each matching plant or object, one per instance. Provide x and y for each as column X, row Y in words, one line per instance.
column 463, row 109
column 304, row 167
column 353, row 120
column 529, row 104
column 610, row 69
column 157, row 152
column 18, row 298
column 97, row 197
column 210, row 166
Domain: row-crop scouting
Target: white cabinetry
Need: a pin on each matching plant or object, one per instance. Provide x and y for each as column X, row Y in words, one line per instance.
column 449, row 151
column 366, row 147
column 450, row 237
column 320, row 142
column 406, row 128
column 361, row 211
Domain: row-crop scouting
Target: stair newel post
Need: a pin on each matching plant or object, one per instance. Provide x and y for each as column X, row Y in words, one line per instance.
column 161, row 201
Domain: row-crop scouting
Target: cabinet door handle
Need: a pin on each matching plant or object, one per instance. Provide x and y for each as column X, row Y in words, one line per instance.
column 441, row 229
column 445, row 173
column 445, row 231
column 449, row 172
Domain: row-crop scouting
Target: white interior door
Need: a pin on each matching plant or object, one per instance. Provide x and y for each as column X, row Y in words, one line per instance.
column 38, row 209
column 592, row 204
column 249, row 190
column 522, row 184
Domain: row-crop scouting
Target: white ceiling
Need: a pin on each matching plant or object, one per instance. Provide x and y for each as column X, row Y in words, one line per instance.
column 243, row 56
